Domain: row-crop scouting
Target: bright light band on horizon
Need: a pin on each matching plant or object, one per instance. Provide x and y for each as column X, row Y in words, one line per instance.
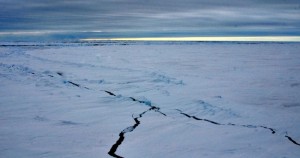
column 212, row 39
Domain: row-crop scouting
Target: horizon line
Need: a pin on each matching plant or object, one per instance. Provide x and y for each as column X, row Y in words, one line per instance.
column 205, row 39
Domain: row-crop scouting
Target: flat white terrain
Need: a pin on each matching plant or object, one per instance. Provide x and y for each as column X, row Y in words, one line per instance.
column 134, row 100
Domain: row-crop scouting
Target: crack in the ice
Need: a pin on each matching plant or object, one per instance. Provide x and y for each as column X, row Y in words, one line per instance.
column 113, row 149
column 232, row 124
column 75, row 84
column 254, row 126
column 291, row 139
column 157, row 109
column 199, row 119
column 228, row 124
column 60, row 73
column 271, row 129
column 110, row 93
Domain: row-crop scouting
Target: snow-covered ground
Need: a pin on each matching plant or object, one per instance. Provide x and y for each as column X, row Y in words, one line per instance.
column 149, row 100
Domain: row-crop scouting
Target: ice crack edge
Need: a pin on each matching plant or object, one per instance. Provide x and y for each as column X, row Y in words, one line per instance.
column 273, row 131
column 113, row 149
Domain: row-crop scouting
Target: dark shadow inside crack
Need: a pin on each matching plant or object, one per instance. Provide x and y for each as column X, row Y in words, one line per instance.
column 60, row 73
column 110, row 93
column 271, row 129
column 113, row 149
column 292, row 140
column 74, row 84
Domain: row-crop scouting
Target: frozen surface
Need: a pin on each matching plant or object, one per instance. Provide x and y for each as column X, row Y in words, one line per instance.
column 132, row 100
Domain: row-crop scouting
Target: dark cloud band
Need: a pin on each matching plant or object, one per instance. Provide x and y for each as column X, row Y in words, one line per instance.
column 167, row 16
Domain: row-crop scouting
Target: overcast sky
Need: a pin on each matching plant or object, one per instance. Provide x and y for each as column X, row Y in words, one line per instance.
column 150, row 18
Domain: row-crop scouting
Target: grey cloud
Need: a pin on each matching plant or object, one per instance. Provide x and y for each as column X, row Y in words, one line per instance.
column 155, row 16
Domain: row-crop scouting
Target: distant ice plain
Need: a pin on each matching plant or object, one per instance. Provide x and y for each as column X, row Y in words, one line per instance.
column 53, row 99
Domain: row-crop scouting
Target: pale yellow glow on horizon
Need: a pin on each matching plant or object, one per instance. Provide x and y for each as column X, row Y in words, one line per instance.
column 213, row 39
